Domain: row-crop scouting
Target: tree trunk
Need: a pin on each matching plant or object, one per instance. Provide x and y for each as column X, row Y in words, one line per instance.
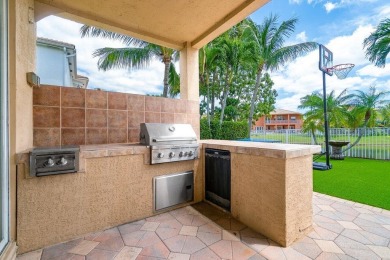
column 357, row 140
column 208, row 104
column 360, row 134
column 253, row 100
column 167, row 64
column 213, row 96
column 314, row 136
column 223, row 105
column 224, row 97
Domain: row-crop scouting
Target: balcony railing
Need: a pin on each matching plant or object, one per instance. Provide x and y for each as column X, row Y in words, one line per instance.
column 291, row 121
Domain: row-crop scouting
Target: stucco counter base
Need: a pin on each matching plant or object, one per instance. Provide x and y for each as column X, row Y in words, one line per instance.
column 113, row 187
column 271, row 187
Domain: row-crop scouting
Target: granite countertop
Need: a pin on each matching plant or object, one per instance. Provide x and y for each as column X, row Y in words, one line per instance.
column 273, row 150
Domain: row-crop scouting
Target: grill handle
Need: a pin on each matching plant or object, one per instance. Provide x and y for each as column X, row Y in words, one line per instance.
column 172, row 139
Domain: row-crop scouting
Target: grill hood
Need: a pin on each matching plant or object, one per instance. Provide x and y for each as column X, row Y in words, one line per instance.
column 167, row 134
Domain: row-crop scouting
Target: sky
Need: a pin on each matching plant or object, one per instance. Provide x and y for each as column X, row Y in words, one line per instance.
column 340, row 25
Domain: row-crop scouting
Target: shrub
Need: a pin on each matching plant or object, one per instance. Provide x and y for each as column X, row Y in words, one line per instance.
column 205, row 131
column 228, row 131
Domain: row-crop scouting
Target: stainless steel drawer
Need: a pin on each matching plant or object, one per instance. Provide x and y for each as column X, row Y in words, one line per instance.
column 173, row 189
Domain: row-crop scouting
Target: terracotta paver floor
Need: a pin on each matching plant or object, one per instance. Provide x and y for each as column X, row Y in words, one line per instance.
column 342, row 230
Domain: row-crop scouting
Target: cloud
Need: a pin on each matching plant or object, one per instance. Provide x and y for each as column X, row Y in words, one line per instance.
column 294, row 1
column 373, row 71
column 329, row 6
column 299, row 1
column 383, row 12
column 143, row 81
column 301, row 37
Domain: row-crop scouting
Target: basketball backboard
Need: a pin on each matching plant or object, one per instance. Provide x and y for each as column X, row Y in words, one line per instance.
column 326, row 60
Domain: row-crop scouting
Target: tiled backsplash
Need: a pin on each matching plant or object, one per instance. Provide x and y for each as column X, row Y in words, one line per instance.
column 72, row 116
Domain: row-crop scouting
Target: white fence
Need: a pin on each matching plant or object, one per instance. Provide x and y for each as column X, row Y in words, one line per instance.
column 375, row 143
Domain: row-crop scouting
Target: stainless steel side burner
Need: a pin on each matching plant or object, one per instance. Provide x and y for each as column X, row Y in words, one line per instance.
column 169, row 142
column 54, row 160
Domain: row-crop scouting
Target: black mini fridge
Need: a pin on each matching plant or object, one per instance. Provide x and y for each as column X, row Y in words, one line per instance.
column 218, row 180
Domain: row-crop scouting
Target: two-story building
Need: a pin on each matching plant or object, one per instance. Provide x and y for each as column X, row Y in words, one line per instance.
column 279, row 119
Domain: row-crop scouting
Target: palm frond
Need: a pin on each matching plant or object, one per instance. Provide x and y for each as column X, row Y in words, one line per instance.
column 378, row 44
column 289, row 53
column 123, row 58
column 284, row 31
column 91, row 31
column 173, row 81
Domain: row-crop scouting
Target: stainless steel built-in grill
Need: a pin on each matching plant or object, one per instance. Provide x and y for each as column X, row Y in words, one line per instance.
column 169, row 142
column 54, row 160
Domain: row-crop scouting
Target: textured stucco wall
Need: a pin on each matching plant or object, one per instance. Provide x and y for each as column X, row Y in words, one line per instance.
column 21, row 55
column 111, row 191
column 299, row 194
column 273, row 196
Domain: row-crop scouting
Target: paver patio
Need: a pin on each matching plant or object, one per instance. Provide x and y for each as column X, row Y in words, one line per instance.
column 342, row 230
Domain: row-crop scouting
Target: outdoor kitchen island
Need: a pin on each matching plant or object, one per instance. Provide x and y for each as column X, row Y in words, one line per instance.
column 271, row 191
column 271, row 187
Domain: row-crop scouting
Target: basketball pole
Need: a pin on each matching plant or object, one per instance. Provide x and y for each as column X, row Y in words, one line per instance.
column 325, row 120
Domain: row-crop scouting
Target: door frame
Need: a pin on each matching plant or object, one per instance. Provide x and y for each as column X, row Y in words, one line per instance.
column 4, row 127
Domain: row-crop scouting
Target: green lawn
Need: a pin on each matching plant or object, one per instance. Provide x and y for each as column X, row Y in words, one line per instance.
column 368, row 147
column 361, row 180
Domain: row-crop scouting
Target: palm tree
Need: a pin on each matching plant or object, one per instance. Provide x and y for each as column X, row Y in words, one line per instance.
column 385, row 113
column 337, row 108
column 312, row 125
column 367, row 102
column 235, row 52
column 378, row 44
column 209, row 60
column 269, row 38
column 138, row 54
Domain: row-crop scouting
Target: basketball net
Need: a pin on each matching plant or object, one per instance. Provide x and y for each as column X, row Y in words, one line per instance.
column 341, row 70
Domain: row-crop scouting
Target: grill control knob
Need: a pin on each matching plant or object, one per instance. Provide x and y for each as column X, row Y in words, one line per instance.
column 160, row 155
column 49, row 162
column 181, row 154
column 171, row 154
column 185, row 153
column 190, row 153
column 63, row 161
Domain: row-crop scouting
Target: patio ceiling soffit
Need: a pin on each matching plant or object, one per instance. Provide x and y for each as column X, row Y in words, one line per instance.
column 170, row 24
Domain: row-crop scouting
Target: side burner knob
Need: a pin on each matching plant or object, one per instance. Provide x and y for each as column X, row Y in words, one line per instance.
column 49, row 162
column 63, row 161
column 160, row 155
column 190, row 153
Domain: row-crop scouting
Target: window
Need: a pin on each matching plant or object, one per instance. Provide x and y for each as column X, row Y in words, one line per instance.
column 4, row 152
column 293, row 118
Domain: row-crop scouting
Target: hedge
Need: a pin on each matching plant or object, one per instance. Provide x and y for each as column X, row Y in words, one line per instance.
column 228, row 131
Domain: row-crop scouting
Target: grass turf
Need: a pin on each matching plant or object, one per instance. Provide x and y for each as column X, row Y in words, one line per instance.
column 360, row 180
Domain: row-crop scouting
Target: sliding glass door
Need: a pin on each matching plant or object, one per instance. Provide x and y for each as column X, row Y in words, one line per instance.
column 4, row 148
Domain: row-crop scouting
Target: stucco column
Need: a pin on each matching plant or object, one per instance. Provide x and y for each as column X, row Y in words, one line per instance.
column 21, row 42
column 189, row 73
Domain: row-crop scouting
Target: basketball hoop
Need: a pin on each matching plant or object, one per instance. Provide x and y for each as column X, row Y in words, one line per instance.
column 326, row 66
column 342, row 70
